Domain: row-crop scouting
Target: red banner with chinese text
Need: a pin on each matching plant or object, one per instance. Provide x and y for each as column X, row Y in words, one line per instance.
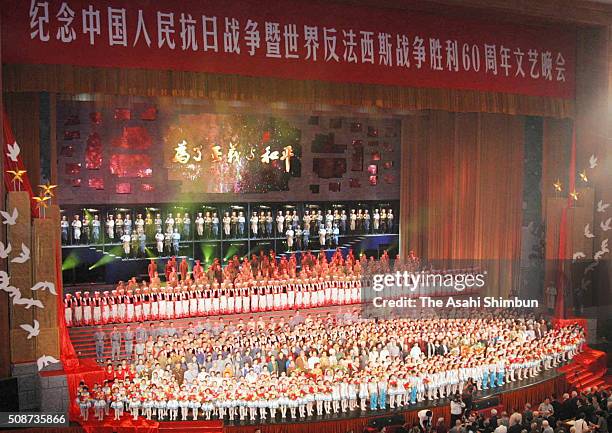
column 294, row 40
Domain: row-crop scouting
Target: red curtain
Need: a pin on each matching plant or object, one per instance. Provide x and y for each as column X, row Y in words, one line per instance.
column 461, row 191
column 9, row 164
column 68, row 355
column 90, row 373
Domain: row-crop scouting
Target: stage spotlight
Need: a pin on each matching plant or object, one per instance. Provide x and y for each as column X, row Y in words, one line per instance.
column 71, row 262
column 112, row 255
column 208, row 252
column 231, row 251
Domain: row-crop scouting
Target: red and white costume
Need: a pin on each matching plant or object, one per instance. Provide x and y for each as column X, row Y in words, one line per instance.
column 146, row 304
column 255, row 297
column 87, row 313
column 106, row 307
column 68, row 302
column 208, row 300
column 97, row 308
column 231, row 301
column 121, row 306
column 129, row 301
column 114, row 304
column 137, row 305
column 163, row 303
column 246, row 299
column 201, row 301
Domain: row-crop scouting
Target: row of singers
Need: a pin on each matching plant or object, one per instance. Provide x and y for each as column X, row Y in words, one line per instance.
column 233, row 224
column 166, row 303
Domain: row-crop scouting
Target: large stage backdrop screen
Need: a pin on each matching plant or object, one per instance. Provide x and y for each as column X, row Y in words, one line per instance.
column 122, row 151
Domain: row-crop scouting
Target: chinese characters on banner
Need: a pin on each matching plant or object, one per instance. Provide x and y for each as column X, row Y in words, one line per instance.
column 305, row 40
column 183, row 154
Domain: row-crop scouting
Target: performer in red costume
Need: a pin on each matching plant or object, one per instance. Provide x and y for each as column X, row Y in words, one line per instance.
column 198, row 271
column 152, row 269
column 184, row 269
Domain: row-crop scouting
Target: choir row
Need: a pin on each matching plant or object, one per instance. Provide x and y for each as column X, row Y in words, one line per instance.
column 231, row 225
column 169, row 303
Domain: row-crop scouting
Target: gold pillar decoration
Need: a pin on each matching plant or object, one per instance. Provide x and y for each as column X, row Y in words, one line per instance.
column 22, row 349
column 45, row 241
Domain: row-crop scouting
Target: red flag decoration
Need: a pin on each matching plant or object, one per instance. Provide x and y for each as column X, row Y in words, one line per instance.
column 13, row 162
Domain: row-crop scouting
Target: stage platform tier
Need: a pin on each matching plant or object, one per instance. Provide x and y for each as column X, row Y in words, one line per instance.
column 83, row 342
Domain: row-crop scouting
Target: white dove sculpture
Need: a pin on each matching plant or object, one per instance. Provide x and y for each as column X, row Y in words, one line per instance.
column 44, row 361
column 606, row 225
column 602, row 251
column 24, row 256
column 590, row 268
column 578, row 255
column 13, row 151
column 28, row 302
column 601, row 206
column 32, row 331
column 13, row 292
column 4, row 252
column 593, row 161
column 584, row 284
column 45, row 285
column 587, row 232
column 4, row 279
column 10, row 218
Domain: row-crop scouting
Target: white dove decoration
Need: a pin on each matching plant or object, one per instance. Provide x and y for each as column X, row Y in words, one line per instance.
column 578, row 255
column 13, row 152
column 10, row 219
column 590, row 268
column 13, row 292
column 45, row 285
column 587, row 232
column 32, row 331
column 4, row 252
column 601, row 206
column 24, row 256
column 4, row 279
column 593, row 161
column 606, row 225
column 28, row 302
column 44, row 361
column 584, row 284
column 603, row 250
